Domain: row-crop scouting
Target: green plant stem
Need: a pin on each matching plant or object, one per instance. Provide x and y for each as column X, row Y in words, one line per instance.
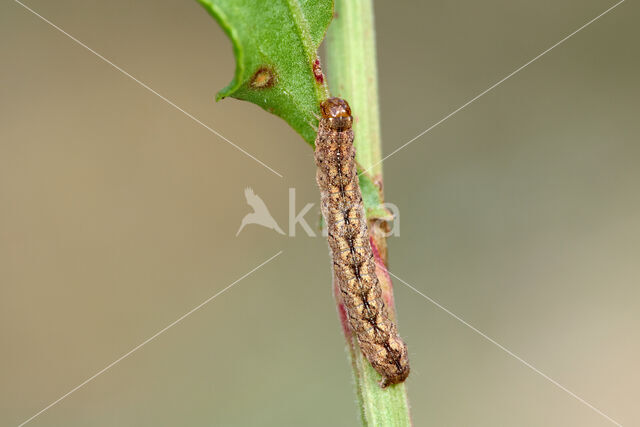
column 352, row 75
column 351, row 57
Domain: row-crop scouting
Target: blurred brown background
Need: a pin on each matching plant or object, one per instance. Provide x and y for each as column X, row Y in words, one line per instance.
column 118, row 214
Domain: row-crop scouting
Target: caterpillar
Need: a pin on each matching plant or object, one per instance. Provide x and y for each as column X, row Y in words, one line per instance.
column 348, row 236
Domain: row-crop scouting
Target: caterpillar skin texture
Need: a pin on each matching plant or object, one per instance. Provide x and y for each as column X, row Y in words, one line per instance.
column 353, row 261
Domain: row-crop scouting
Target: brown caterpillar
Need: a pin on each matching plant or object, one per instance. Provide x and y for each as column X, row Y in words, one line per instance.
column 348, row 235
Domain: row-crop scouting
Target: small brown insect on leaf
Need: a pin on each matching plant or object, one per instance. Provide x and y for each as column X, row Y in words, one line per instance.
column 264, row 78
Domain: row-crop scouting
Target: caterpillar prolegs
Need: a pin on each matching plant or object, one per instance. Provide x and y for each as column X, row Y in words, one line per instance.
column 348, row 235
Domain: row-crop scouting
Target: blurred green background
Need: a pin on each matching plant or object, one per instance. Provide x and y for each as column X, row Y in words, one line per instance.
column 118, row 214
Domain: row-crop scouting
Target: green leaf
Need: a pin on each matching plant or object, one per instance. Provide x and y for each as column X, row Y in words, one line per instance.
column 275, row 43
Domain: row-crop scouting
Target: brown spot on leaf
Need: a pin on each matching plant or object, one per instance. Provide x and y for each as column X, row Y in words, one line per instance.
column 317, row 72
column 264, row 78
